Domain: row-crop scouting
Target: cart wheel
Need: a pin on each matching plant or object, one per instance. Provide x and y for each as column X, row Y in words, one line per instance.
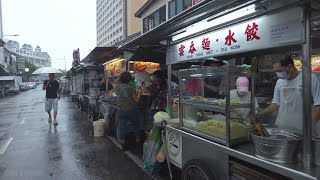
column 79, row 103
column 81, row 106
column 93, row 113
column 108, row 124
column 196, row 170
column 89, row 111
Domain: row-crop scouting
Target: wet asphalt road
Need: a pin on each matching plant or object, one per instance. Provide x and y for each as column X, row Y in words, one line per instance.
column 37, row 150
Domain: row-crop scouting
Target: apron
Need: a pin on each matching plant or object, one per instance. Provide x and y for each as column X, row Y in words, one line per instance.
column 290, row 110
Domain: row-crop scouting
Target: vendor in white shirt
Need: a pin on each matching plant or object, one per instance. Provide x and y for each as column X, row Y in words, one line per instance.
column 243, row 95
column 287, row 97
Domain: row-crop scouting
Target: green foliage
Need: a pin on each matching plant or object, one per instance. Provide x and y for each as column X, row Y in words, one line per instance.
column 31, row 67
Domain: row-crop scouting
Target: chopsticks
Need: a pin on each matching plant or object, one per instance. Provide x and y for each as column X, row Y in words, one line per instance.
column 259, row 127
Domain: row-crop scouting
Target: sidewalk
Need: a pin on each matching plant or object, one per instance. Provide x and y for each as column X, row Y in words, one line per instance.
column 69, row 151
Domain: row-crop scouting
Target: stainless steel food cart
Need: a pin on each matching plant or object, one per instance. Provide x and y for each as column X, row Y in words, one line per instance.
column 90, row 91
column 271, row 26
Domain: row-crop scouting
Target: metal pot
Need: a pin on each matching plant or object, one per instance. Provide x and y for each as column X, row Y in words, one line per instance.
column 316, row 150
column 282, row 145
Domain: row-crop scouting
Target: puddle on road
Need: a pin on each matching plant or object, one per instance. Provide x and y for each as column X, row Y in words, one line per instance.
column 4, row 145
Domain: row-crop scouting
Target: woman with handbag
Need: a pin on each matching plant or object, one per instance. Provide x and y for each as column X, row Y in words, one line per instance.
column 127, row 102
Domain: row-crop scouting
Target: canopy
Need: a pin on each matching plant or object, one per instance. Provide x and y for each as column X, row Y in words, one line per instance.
column 47, row 70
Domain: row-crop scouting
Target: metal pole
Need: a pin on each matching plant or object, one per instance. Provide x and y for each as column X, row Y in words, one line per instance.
column 169, row 83
column 228, row 131
column 306, row 91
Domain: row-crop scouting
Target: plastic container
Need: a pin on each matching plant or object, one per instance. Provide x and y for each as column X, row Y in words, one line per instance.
column 99, row 127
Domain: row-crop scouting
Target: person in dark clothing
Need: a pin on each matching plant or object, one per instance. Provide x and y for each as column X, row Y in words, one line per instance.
column 158, row 94
column 127, row 102
column 52, row 96
column 211, row 84
column 102, row 85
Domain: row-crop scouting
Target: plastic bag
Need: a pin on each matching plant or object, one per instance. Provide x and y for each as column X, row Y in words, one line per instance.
column 161, row 154
column 151, row 150
column 159, row 116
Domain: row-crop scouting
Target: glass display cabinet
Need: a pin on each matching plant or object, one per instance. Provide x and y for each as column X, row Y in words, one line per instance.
column 208, row 104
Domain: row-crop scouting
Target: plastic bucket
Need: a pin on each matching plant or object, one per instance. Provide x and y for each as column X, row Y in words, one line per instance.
column 99, row 127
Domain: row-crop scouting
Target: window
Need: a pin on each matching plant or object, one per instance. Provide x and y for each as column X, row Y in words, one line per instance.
column 172, row 9
column 121, row 37
column 120, row 20
column 177, row 6
column 154, row 19
column 120, row 29
column 6, row 59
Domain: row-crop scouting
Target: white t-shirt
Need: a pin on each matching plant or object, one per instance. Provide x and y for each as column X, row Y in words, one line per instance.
column 288, row 95
column 245, row 99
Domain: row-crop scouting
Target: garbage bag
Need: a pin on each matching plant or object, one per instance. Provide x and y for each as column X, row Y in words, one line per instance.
column 152, row 147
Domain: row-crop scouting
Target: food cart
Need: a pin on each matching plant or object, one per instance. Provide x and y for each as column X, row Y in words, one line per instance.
column 87, row 78
column 141, row 72
column 205, row 147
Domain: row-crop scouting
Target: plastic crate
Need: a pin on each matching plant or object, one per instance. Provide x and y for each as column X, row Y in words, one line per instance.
column 152, row 169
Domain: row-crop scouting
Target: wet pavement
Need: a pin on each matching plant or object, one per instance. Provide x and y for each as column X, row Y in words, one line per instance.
column 30, row 148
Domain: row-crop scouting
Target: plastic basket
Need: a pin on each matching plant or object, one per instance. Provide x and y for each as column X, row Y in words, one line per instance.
column 152, row 169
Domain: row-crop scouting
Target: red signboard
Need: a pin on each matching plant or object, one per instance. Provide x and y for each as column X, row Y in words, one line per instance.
column 196, row 1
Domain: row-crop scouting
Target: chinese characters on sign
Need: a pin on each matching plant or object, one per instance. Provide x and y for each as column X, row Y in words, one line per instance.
column 181, row 50
column 206, row 44
column 264, row 32
column 230, row 38
column 251, row 32
column 192, row 48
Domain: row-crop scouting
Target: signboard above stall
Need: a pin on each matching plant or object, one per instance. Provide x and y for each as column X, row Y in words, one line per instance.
column 145, row 67
column 269, row 31
column 115, row 68
column 194, row 2
column 315, row 64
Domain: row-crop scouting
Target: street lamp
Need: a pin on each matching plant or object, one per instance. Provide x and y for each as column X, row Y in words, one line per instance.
column 12, row 35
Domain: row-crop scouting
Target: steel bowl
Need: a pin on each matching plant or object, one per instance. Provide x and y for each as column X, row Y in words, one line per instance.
column 281, row 147
column 316, row 150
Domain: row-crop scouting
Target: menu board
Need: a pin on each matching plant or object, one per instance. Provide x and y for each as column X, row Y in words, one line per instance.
column 145, row 67
column 115, row 68
column 315, row 64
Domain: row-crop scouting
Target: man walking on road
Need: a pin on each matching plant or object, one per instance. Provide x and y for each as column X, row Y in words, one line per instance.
column 52, row 96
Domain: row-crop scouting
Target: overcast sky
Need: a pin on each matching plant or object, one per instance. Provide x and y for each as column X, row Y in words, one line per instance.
column 57, row 26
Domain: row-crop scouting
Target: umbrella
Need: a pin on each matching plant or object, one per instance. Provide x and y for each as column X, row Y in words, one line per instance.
column 47, row 70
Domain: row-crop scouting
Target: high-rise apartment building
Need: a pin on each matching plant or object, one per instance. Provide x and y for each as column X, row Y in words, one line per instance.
column 115, row 20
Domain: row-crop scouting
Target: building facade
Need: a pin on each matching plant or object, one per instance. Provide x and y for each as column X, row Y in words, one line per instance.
column 26, row 52
column 115, row 20
column 155, row 12
column 1, row 26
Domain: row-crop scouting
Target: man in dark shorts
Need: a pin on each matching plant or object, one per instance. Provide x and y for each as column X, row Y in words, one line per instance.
column 52, row 96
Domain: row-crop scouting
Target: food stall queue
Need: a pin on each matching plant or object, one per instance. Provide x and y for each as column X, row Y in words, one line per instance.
column 288, row 98
column 127, row 102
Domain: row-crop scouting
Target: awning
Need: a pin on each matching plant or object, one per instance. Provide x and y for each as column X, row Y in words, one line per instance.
column 84, row 67
column 4, row 71
column 155, row 54
column 6, row 78
column 101, row 54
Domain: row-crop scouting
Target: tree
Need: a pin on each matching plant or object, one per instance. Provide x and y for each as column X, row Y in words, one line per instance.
column 31, row 68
